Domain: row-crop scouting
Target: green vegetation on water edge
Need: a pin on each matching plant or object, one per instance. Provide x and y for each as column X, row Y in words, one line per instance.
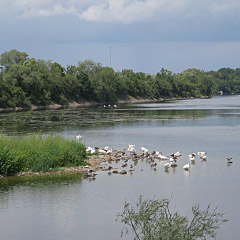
column 37, row 153
column 27, row 81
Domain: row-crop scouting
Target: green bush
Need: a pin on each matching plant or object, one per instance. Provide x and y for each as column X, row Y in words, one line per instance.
column 153, row 219
column 37, row 153
column 10, row 163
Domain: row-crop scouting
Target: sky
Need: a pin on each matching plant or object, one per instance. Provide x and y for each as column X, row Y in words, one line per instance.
column 143, row 35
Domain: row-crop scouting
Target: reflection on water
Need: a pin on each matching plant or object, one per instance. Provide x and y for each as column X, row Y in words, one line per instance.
column 72, row 208
column 55, row 121
column 43, row 182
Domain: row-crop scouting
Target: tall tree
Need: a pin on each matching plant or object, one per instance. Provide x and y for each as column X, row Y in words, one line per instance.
column 7, row 59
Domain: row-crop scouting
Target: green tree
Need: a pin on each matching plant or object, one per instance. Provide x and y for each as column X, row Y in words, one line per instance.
column 103, row 83
column 7, row 59
column 153, row 220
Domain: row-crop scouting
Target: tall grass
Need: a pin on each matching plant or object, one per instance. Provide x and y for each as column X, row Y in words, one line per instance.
column 37, row 153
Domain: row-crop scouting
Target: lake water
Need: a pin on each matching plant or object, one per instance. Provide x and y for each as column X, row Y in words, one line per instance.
column 69, row 207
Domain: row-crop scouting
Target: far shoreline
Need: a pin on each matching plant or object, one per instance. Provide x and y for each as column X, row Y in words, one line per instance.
column 93, row 103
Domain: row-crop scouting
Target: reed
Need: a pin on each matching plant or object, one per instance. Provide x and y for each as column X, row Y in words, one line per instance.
column 37, row 153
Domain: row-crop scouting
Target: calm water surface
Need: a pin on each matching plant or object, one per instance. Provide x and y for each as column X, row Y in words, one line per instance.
column 72, row 208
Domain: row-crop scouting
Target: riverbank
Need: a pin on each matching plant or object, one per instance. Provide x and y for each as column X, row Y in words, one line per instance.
column 94, row 103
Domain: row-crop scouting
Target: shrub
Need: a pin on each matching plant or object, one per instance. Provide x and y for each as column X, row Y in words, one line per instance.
column 152, row 219
column 10, row 163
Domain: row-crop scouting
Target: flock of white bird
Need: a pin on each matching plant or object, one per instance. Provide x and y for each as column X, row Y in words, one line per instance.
column 172, row 158
column 150, row 157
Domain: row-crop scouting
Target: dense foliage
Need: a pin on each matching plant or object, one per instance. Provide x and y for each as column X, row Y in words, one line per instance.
column 37, row 154
column 27, row 81
column 153, row 219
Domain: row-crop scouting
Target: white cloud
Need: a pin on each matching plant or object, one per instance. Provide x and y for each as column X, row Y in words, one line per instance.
column 123, row 11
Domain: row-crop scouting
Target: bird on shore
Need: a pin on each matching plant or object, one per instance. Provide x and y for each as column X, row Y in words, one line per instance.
column 90, row 150
column 144, row 150
column 131, row 148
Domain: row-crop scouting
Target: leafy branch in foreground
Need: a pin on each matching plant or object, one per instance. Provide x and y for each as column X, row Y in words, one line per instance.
column 153, row 219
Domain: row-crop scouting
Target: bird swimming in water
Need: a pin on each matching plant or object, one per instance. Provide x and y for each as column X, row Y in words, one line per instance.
column 186, row 167
column 78, row 137
column 167, row 166
column 229, row 160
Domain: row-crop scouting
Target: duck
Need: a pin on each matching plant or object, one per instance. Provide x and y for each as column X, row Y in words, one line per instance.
column 229, row 160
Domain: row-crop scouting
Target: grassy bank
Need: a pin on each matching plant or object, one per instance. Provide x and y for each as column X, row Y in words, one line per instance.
column 37, row 154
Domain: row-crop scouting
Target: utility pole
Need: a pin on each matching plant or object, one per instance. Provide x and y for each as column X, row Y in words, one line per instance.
column 1, row 74
column 110, row 55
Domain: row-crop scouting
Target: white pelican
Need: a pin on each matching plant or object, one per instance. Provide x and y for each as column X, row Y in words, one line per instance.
column 192, row 159
column 192, row 155
column 177, row 154
column 204, row 157
column 167, row 166
column 144, row 150
column 162, row 157
column 131, row 148
column 78, row 137
column 201, row 154
column 102, row 151
column 90, row 150
column 109, row 150
column 174, row 164
column 186, row 166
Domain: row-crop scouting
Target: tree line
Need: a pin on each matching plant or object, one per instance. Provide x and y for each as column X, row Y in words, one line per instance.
column 28, row 81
